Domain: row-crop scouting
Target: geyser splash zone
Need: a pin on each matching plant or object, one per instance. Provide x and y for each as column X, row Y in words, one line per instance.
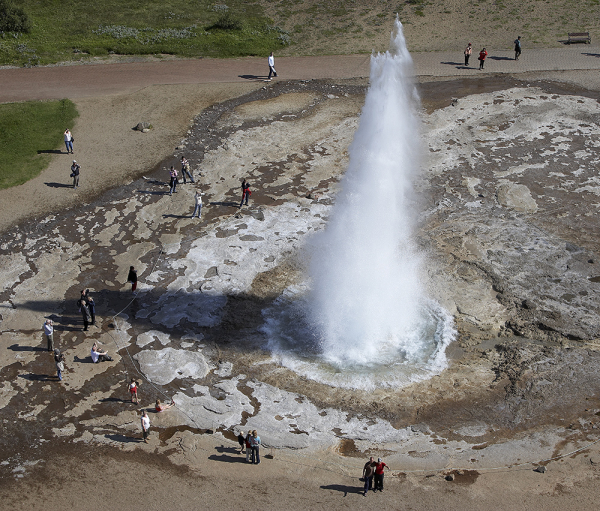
column 365, row 322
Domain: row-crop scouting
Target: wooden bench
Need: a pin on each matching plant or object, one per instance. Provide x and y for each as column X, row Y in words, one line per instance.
column 579, row 37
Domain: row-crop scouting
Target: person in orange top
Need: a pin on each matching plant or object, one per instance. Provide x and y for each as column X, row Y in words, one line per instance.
column 468, row 52
column 482, row 55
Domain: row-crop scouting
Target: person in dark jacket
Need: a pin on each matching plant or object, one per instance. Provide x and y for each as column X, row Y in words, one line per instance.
column 245, row 192
column 132, row 277
column 92, row 307
column 85, row 313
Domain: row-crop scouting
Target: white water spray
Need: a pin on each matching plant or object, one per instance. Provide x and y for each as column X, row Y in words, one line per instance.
column 365, row 322
column 365, row 272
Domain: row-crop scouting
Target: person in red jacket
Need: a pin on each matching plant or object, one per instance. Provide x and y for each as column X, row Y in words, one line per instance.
column 379, row 467
column 482, row 56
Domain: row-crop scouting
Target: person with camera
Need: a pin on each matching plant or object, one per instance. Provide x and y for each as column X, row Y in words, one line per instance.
column 75, row 168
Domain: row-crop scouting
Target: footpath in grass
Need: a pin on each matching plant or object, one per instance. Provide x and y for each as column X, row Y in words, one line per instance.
column 76, row 28
column 29, row 133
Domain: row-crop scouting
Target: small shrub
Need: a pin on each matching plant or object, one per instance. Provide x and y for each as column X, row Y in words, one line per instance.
column 228, row 21
column 13, row 19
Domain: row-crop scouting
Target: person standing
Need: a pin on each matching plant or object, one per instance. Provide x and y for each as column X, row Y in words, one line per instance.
column 49, row 333
column 60, row 365
column 482, row 55
column 92, row 307
column 272, row 71
column 173, row 182
column 75, row 168
column 248, row 446
column 198, row 208
column 132, row 277
column 242, row 441
column 379, row 467
column 368, row 472
column 517, row 47
column 468, row 53
column 69, row 141
column 145, row 425
column 245, row 192
column 85, row 313
column 186, row 169
column 133, row 390
column 255, row 445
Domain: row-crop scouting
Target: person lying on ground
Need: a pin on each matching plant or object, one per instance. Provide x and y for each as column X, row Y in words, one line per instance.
column 161, row 407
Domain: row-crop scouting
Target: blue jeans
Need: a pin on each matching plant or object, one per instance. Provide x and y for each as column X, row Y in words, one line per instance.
column 197, row 209
column 255, row 454
column 59, row 373
column 184, row 172
column 368, row 484
column 173, row 186
column 69, row 146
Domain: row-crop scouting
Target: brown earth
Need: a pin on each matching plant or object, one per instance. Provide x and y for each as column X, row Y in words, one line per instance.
column 209, row 473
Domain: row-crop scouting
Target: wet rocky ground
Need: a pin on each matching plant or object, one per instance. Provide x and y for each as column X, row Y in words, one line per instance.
column 507, row 201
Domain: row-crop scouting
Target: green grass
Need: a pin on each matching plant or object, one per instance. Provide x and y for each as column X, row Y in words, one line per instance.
column 67, row 29
column 27, row 131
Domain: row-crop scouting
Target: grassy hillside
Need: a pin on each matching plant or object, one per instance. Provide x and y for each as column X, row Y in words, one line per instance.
column 29, row 133
column 63, row 30
column 79, row 29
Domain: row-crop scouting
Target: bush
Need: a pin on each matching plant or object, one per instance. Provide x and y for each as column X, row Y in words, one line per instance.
column 228, row 21
column 13, row 19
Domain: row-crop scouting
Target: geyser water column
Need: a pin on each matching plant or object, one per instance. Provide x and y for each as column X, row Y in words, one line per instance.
column 366, row 296
column 361, row 319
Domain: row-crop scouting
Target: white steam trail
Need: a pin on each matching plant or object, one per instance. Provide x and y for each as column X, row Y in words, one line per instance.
column 364, row 270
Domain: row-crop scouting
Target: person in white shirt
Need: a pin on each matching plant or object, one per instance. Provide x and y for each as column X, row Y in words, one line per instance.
column 198, row 208
column 272, row 71
column 49, row 331
column 68, row 141
column 145, row 426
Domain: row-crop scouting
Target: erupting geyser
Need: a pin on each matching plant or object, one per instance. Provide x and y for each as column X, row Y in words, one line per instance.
column 365, row 322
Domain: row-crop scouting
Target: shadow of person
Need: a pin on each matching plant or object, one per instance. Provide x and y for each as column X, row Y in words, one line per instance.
column 16, row 347
column 50, row 151
column 86, row 360
column 227, row 459
column 38, row 377
column 253, row 77
column 122, row 438
column 222, row 448
column 343, row 488
column 58, row 185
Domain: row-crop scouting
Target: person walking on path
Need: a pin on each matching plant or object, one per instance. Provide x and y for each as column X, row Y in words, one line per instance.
column 272, row 71
column 517, row 47
column 92, row 307
column 255, row 444
column 132, row 277
column 75, row 168
column 49, row 333
column 173, row 182
column 379, row 467
column 368, row 472
column 133, row 390
column 245, row 192
column 198, row 208
column 186, row 169
column 85, row 313
column 69, row 141
column 59, row 359
column 482, row 55
column 145, row 426
column 468, row 53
